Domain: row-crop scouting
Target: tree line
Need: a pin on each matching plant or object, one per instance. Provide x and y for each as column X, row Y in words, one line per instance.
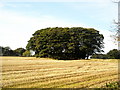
column 64, row 43
column 112, row 54
column 7, row 51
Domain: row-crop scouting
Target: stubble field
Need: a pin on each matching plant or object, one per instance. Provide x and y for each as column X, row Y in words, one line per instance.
column 31, row 72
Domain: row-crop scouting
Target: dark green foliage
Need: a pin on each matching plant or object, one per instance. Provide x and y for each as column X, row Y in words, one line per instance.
column 99, row 56
column 66, row 43
column 112, row 85
column 112, row 54
column 6, row 51
column 19, row 51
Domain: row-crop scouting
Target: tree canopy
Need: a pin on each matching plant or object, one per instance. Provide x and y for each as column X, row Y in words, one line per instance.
column 19, row 51
column 66, row 43
column 6, row 51
column 112, row 54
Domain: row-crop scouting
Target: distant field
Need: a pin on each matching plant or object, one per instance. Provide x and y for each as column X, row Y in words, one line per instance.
column 29, row 72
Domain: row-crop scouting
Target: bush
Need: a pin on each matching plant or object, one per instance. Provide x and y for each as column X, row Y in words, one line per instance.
column 99, row 56
column 114, row 85
column 27, row 53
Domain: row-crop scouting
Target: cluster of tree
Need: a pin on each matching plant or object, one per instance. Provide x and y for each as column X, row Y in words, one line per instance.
column 7, row 51
column 66, row 43
column 112, row 54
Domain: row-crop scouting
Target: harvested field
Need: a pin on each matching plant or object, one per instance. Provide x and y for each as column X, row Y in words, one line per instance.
column 31, row 72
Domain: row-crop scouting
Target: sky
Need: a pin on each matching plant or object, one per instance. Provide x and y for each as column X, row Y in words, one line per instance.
column 19, row 19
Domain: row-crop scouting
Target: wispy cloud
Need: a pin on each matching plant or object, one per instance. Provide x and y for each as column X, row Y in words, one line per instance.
column 19, row 28
column 1, row 4
column 16, row 28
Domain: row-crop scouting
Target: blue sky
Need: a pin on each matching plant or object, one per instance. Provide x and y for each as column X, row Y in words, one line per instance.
column 19, row 19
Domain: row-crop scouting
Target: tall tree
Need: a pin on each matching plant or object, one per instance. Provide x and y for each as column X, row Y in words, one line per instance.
column 66, row 43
